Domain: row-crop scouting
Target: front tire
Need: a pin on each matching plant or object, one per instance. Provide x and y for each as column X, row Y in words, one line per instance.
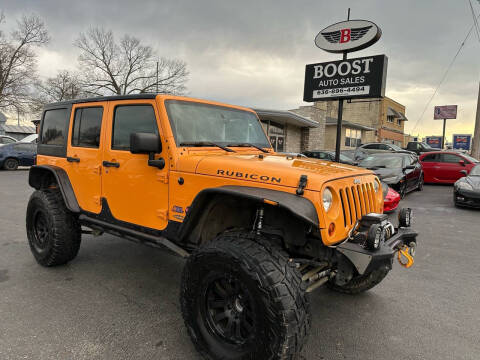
column 53, row 232
column 421, row 182
column 360, row 283
column 242, row 299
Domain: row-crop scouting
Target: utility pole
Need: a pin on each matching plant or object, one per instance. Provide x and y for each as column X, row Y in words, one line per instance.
column 476, row 133
column 340, row 114
column 443, row 135
column 156, row 84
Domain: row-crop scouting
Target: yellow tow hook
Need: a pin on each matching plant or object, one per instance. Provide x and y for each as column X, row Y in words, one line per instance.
column 405, row 255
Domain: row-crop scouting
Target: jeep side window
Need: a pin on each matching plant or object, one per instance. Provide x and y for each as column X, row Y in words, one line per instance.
column 86, row 127
column 54, row 127
column 131, row 119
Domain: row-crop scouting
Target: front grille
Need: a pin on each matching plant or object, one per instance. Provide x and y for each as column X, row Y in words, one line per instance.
column 357, row 200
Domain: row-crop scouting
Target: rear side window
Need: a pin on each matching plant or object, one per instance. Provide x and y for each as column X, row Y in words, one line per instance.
column 371, row 146
column 86, row 127
column 54, row 127
column 450, row 158
column 131, row 119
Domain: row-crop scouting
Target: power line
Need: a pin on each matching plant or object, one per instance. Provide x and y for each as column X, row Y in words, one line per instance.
column 444, row 75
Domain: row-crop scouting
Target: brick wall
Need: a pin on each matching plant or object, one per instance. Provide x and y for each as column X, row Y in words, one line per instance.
column 312, row 138
column 293, row 138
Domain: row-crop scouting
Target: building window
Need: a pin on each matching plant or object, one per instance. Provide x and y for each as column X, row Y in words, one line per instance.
column 353, row 138
column 390, row 119
column 399, row 122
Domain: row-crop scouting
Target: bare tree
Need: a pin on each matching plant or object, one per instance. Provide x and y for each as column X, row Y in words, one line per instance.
column 65, row 86
column 126, row 67
column 18, row 61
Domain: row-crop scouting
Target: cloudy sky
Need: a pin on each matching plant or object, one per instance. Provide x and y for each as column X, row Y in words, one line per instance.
column 254, row 53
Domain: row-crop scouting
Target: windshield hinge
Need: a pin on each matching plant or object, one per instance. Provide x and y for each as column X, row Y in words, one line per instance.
column 301, row 184
column 162, row 177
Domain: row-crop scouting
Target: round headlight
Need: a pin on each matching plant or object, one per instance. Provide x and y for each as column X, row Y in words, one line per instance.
column 376, row 186
column 327, row 199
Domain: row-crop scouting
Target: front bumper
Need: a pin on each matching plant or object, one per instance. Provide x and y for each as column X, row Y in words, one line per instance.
column 365, row 260
column 467, row 198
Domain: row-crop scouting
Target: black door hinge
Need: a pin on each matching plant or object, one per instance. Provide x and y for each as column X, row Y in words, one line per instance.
column 301, row 184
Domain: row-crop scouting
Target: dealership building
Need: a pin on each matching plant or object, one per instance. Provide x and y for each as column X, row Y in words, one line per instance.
column 314, row 127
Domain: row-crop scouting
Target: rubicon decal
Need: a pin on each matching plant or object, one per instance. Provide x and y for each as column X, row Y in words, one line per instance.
column 348, row 36
column 242, row 175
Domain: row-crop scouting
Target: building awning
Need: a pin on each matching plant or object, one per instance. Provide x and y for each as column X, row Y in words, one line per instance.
column 19, row 129
column 333, row 122
column 286, row 117
column 402, row 117
column 396, row 114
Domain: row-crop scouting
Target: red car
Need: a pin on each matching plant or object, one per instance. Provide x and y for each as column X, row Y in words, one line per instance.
column 445, row 167
column 391, row 200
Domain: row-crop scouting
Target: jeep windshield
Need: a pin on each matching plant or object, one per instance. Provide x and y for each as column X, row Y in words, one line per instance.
column 197, row 123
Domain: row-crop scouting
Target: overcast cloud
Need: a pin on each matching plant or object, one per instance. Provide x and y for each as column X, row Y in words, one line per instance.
column 254, row 53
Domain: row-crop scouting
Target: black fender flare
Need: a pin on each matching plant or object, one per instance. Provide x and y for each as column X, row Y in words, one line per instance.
column 298, row 206
column 37, row 174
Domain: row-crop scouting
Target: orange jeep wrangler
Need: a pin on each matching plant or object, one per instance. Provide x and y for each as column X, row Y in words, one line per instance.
column 259, row 230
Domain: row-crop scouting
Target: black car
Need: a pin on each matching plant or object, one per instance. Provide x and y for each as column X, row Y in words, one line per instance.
column 401, row 171
column 17, row 154
column 329, row 156
column 466, row 191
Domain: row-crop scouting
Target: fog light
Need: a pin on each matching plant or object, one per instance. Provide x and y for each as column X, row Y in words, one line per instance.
column 331, row 229
column 405, row 217
column 376, row 235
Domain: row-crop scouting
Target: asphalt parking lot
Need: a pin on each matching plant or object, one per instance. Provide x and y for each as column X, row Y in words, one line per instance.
column 119, row 300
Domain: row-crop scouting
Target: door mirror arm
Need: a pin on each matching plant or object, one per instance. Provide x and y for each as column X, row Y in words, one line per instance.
column 158, row 163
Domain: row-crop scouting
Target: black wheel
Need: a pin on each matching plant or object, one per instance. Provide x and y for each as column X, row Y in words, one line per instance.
column 360, row 283
column 403, row 189
column 53, row 232
column 242, row 299
column 421, row 182
column 10, row 164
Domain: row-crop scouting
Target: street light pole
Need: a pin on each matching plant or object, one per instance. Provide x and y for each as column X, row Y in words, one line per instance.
column 476, row 133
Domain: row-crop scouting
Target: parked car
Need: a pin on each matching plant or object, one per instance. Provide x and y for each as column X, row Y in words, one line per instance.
column 364, row 150
column 419, row 147
column 33, row 138
column 391, row 199
column 4, row 139
column 328, row 155
column 466, row 191
column 445, row 167
column 17, row 154
column 402, row 171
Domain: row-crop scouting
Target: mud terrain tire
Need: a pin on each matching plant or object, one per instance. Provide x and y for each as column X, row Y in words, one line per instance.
column 360, row 283
column 272, row 318
column 53, row 232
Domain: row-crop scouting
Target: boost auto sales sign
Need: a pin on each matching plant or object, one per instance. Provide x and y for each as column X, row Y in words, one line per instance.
column 363, row 77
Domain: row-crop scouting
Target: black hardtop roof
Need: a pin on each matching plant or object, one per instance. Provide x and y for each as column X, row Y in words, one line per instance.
column 102, row 98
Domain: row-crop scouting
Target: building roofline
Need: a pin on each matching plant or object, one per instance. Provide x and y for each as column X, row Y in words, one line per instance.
column 288, row 117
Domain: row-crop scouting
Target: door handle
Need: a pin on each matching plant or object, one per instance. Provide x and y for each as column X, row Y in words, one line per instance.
column 73, row 159
column 111, row 164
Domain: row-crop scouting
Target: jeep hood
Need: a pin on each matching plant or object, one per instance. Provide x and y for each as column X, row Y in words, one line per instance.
column 272, row 169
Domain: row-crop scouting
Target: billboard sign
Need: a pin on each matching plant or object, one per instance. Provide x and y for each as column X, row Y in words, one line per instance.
column 363, row 77
column 462, row 141
column 346, row 36
column 445, row 112
column 434, row 141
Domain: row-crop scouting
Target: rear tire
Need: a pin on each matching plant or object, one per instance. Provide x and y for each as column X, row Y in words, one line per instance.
column 360, row 283
column 10, row 164
column 53, row 232
column 421, row 182
column 242, row 299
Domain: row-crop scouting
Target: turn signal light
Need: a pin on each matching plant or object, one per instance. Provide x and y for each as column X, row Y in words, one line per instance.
column 331, row 229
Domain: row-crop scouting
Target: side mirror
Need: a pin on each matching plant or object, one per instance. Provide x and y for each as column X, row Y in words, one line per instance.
column 461, row 162
column 147, row 143
column 409, row 167
column 464, row 172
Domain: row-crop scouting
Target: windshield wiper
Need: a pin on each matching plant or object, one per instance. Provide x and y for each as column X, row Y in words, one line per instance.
column 376, row 167
column 249, row 145
column 205, row 143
